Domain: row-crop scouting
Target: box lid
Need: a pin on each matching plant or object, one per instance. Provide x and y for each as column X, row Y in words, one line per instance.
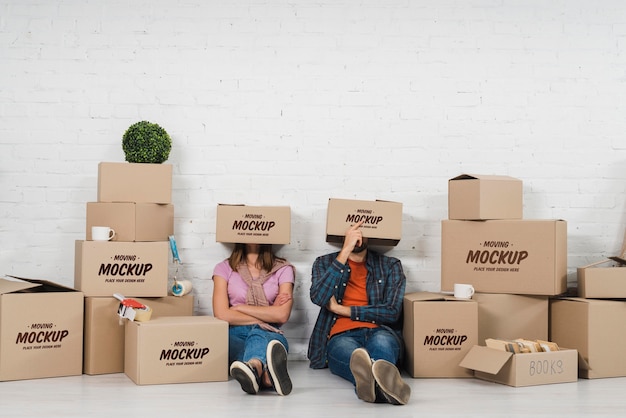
column 180, row 321
column 580, row 300
column 11, row 286
column 28, row 283
column 482, row 177
column 606, row 260
column 485, row 359
column 432, row 297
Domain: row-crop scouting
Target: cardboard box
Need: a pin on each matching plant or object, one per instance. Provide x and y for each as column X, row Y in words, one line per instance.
column 604, row 279
column 133, row 269
column 253, row 224
column 382, row 220
column 595, row 328
column 527, row 369
column 527, row 257
column 134, row 182
column 181, row 349
column 505, row 316
column 438, row 331
column 132, row 221
column 483, row 197
column 41, row 329
column 104, row 329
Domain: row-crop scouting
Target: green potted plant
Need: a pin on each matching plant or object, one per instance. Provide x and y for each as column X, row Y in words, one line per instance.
column 146, row 142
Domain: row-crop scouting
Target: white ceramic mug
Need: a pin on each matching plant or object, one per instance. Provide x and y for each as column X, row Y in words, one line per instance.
column 463, row 291
column 102, row 233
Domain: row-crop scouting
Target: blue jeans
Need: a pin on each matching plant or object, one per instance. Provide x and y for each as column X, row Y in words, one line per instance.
column 246, row 342
column 380, row 343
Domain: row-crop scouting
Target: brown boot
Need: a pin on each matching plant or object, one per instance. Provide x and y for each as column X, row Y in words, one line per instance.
column 388, row 379
column 361, row 368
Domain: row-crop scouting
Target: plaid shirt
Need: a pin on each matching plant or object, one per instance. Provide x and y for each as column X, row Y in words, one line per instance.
column 385, row 286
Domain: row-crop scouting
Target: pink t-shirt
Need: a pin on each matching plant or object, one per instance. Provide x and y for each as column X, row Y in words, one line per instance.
column 238, row 289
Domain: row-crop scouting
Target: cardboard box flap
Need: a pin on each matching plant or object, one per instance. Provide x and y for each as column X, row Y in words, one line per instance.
column 11, row 286
column 606, row 260
column 231, row 204
column 485, row 359
column 482, row 177
column 168, row 320
column 429, row 296
column 574, row 299
column 46, row 286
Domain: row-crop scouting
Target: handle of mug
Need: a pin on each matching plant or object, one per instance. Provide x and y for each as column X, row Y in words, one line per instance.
column 111, row 233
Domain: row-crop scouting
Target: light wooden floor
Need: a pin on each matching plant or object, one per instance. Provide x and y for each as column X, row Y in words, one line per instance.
column 316, row 393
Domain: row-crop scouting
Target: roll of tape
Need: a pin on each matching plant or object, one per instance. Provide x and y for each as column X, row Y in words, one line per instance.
column 143, row 314
column 181, row 288
column 132, row 310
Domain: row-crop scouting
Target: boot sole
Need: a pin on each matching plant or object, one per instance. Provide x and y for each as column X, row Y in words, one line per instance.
column 361, row 368
column 388, row 378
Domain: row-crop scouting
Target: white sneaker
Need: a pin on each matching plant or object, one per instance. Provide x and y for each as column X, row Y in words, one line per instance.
column 277, row 367
column 246, row 376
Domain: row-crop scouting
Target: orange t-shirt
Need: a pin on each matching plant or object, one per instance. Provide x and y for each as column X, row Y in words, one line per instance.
column 356, row 295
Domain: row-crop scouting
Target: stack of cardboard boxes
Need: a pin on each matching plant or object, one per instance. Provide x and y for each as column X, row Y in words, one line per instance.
column 135, row 201
column 593, row 322
column 514, row 265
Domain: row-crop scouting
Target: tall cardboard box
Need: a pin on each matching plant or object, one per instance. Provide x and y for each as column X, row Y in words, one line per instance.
column 483, row 197
column 438, row 331
column 129, row 268
column 527, row 257
column 528, row 369
column 595, row 328
column 41, row 330
column 182, row 349
column 506, row 316
column 253, row 224
column 382, row 220
column 134, row 182
column 132, row 221
column 104, row 329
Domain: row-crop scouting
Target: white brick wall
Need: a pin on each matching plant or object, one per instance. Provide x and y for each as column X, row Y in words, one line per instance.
column 276, row 102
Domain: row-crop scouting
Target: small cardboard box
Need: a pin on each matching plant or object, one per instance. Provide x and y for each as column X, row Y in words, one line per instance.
column 132, row 221
column 482, row 197
column 505, row 316
column 527, row 369
column 604, row 279
column 133, row 269
column 382, row 220
column 104, row 329
column 134, row 182
column 182, row 349
column 253, row 224
column 41, row 330
column 527, row 257
column 438, row 331
column 595, row 328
